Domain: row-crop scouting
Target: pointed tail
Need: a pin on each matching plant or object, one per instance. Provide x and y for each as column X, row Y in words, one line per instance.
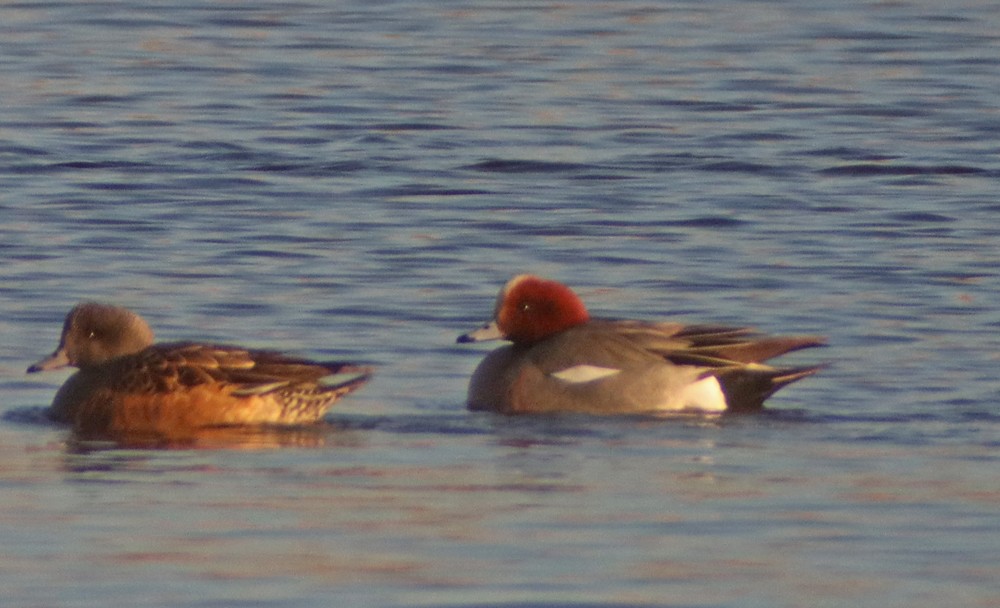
column 747, row 387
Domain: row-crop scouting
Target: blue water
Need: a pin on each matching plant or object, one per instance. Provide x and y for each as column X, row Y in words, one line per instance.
column 357, row 179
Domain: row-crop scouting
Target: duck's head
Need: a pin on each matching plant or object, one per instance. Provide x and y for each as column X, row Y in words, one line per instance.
column 96, row 333
column 530, row 309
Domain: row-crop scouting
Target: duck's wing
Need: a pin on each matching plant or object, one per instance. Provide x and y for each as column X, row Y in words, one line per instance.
column 710, row 345
column 169, row 367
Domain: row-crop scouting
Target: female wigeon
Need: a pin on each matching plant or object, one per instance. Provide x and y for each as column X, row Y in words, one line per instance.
column 128, row 385
column 561, row 360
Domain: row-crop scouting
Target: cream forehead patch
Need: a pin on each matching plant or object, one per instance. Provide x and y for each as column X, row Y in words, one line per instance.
column 579, row 374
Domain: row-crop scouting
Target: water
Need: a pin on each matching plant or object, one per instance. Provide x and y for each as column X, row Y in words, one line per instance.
column 357, row 179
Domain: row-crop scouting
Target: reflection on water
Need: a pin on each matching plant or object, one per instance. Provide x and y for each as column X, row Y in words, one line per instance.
column 393, row 506
column 213, row 438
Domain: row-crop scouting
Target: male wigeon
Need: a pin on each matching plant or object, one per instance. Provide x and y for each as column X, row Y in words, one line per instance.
column 128, row 385
column 561, row 360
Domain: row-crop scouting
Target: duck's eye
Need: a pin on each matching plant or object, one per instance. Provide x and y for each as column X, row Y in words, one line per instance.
column 91, row 335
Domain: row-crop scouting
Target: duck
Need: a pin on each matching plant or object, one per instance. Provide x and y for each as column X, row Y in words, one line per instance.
column 561, row 360
column 126, row 384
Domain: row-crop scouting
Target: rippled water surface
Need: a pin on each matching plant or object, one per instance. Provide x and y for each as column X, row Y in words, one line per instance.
column 357, row 179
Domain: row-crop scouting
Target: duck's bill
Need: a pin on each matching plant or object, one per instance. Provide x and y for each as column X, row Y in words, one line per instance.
column 56, row 360
column 490, row 331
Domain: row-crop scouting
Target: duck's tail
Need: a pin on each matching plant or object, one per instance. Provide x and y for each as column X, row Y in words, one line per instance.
column 746, row 387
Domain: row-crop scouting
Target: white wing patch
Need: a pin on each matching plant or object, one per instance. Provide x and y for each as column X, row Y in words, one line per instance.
column 705, row 394
column 578, row 374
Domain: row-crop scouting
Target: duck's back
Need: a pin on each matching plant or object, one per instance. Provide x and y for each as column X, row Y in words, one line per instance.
column 592, row 369
column 175, row 387
column 617, row 367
